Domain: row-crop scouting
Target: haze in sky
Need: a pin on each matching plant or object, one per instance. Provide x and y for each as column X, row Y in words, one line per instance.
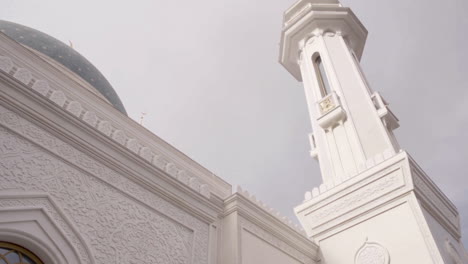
column 206, row 75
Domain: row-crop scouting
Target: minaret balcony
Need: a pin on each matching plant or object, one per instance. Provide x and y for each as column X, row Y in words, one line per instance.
column 313, row 150
column 388, row 118
column 331, row 111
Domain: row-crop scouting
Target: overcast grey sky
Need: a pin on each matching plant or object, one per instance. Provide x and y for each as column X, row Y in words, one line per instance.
column 206, row 72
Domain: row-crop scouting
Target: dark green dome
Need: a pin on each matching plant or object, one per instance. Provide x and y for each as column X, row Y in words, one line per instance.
column 65, row 55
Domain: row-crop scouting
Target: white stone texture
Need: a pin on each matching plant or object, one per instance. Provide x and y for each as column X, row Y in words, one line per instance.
column 159, row 162
column 105, row 127
column 183, row 177
column 119, row 136
column 90, row 118
column 41, row 86
column 133, row 145
column 171, row 169
column 120, row 220
column 367, row 190
column 146, row 153
column 6, row 64
column 23, row 75
column 74, row 108
column 58, row 97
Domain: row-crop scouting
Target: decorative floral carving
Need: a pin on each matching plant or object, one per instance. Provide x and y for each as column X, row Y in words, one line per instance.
column 372, row 253
column 119, row 220
column 356, row 198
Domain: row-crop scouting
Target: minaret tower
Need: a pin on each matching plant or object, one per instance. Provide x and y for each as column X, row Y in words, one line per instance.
column 375, row 203
column 322, row 44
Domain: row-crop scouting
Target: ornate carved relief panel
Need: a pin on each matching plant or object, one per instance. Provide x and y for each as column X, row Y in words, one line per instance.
column 120, row 221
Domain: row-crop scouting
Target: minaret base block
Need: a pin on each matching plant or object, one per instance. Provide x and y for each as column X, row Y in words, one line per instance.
column 390, row 213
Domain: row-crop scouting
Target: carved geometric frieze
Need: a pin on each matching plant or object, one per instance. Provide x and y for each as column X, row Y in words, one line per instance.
column 355, row 199
column 120, row 220
column 372, row 253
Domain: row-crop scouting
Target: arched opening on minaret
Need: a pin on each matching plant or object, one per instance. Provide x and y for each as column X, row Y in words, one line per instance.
column 322, row 79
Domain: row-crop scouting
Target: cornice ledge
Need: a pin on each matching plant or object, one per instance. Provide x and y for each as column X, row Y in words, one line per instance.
column 147, row 176
column 432, row 184
column 177, row 168
column 264, row 220
column 262, row 215
column 435, row 201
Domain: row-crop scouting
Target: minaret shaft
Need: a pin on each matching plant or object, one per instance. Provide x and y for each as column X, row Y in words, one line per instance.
column 375, row 204
column 344, row 143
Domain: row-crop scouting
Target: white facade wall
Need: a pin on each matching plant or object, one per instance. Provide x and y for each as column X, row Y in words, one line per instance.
column 81, row 183
column 103, row 215
column 253, row 235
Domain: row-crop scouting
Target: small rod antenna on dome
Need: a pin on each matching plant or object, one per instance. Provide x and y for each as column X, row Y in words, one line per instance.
column 71, row 44
column 142, row 117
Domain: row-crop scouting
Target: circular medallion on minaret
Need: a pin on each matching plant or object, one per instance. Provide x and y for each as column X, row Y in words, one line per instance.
column 372, row 253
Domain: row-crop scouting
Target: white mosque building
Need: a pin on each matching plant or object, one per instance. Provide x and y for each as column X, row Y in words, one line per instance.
column 82, row 183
